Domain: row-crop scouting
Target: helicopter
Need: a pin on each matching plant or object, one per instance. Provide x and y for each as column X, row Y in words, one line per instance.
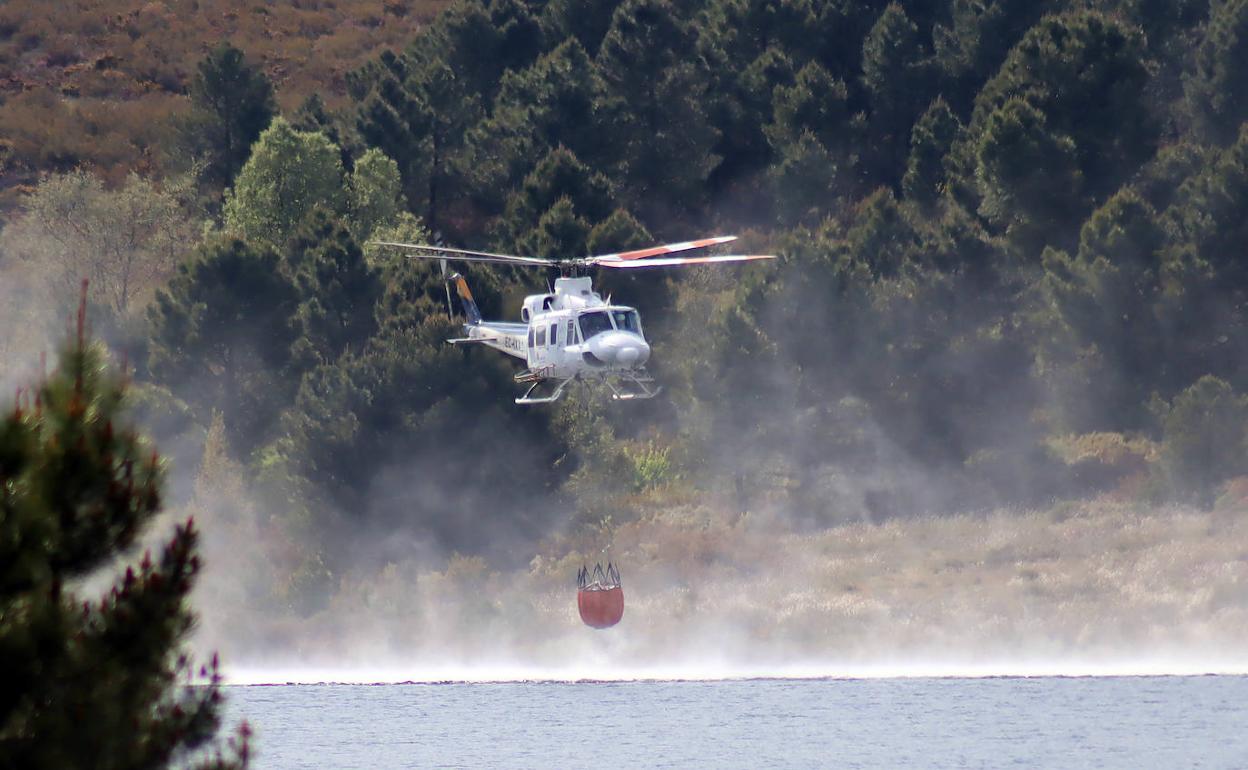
column 570, row 333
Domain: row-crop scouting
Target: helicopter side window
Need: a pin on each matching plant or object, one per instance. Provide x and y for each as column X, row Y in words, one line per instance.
column 554, row 329
column 530, row 336
column 541, row 337
column 569, row 335
column 594, row 323
column 626, row 320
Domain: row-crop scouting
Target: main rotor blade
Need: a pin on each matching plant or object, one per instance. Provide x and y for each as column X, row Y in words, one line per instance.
column 673, row 261
column 669, row 248
column 468, row 256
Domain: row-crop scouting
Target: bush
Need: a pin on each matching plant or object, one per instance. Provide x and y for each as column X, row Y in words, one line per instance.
column 1203, row 442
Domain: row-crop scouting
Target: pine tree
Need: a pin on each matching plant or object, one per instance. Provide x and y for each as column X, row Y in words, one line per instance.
column 815, row 103
column 896, row 73
column 559, row 175
column 930, row 140
column 1216, row 90
column 94, row 683
column 656, row 100
column 338, row 290
column 234, row 103
column 547, row 105
column 204, row 340
column 561, row 232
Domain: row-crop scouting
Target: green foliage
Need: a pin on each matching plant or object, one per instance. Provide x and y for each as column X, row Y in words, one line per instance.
column 815, row 104
column 374, row 194
column 560, row 176
column 982, row 243
column 930, row 141
column 654, row 100
column 1118, row 298
column 652, row 467
column 586, row 22
column 1203, row 438
column 368, row 421
column 896, row 73
column 543, row 107
column 338, row 290
column 204, row 343
column 1029, row 176
column 289, row 174
column 233, row 103
column 77, row 488
column 1062, row 124
column 559, row 233
column 804, row 181
column 1216, row 92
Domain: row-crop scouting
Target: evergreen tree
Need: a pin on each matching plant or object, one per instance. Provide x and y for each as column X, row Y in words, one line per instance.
column 586, row 22
column 930, row 142
column 233, row 104
column 338, row 290
column 656, row 101
column 1082, row 78
column 804, row 181
column 1029, row 176
column 896, row 74
column 100, row 683
column 545, row 106
column 973, row 42
column 1216, row 92
column 559, row 233
column 360, row 427
column 1114, row 298
column 205, row 345
column 559, row 175
column 1204, row 441
column 816, row 103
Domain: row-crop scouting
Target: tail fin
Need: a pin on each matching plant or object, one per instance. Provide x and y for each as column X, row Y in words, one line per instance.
column 465, row 297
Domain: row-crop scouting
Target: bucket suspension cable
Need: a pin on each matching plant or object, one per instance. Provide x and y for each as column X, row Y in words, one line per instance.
column 599, row 579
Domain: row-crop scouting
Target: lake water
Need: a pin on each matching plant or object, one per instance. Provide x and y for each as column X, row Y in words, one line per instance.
column 1044, row 722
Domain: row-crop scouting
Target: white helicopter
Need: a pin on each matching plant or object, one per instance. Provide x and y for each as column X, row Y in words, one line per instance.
column 570, row 334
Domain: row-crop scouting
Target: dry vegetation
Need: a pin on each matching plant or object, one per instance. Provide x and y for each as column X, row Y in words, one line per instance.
column 97, row 82
column 1096, row 579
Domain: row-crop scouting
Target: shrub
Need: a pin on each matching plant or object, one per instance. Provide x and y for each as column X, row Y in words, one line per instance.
column 1203, row 442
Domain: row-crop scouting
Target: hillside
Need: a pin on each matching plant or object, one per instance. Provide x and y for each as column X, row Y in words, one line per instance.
column 99, row 81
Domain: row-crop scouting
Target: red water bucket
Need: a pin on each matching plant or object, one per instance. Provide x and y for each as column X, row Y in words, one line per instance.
column 600, row 607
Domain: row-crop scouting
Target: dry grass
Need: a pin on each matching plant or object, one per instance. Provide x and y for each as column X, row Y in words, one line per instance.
column 1096, row 579
column 96, row 82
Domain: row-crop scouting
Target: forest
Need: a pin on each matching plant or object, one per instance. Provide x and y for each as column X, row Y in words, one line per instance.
column 1007, row 275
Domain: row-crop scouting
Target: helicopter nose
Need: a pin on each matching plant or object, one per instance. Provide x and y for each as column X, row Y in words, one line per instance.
column 620, row 349
column 632, row 353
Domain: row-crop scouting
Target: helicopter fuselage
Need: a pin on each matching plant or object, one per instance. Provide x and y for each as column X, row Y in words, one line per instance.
column 569, row 333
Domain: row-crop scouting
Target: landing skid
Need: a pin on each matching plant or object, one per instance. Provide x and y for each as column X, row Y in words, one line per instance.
column 529, row 398
column 630, row 387
column 641, row 384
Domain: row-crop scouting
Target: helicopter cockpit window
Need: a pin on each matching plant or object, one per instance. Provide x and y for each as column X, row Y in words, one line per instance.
column 626, row 320
column 594, row 323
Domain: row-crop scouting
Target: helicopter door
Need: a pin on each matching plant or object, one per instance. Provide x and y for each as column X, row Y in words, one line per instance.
column 537, row 352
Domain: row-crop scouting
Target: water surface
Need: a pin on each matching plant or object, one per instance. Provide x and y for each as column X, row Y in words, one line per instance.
column 1049, row 722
